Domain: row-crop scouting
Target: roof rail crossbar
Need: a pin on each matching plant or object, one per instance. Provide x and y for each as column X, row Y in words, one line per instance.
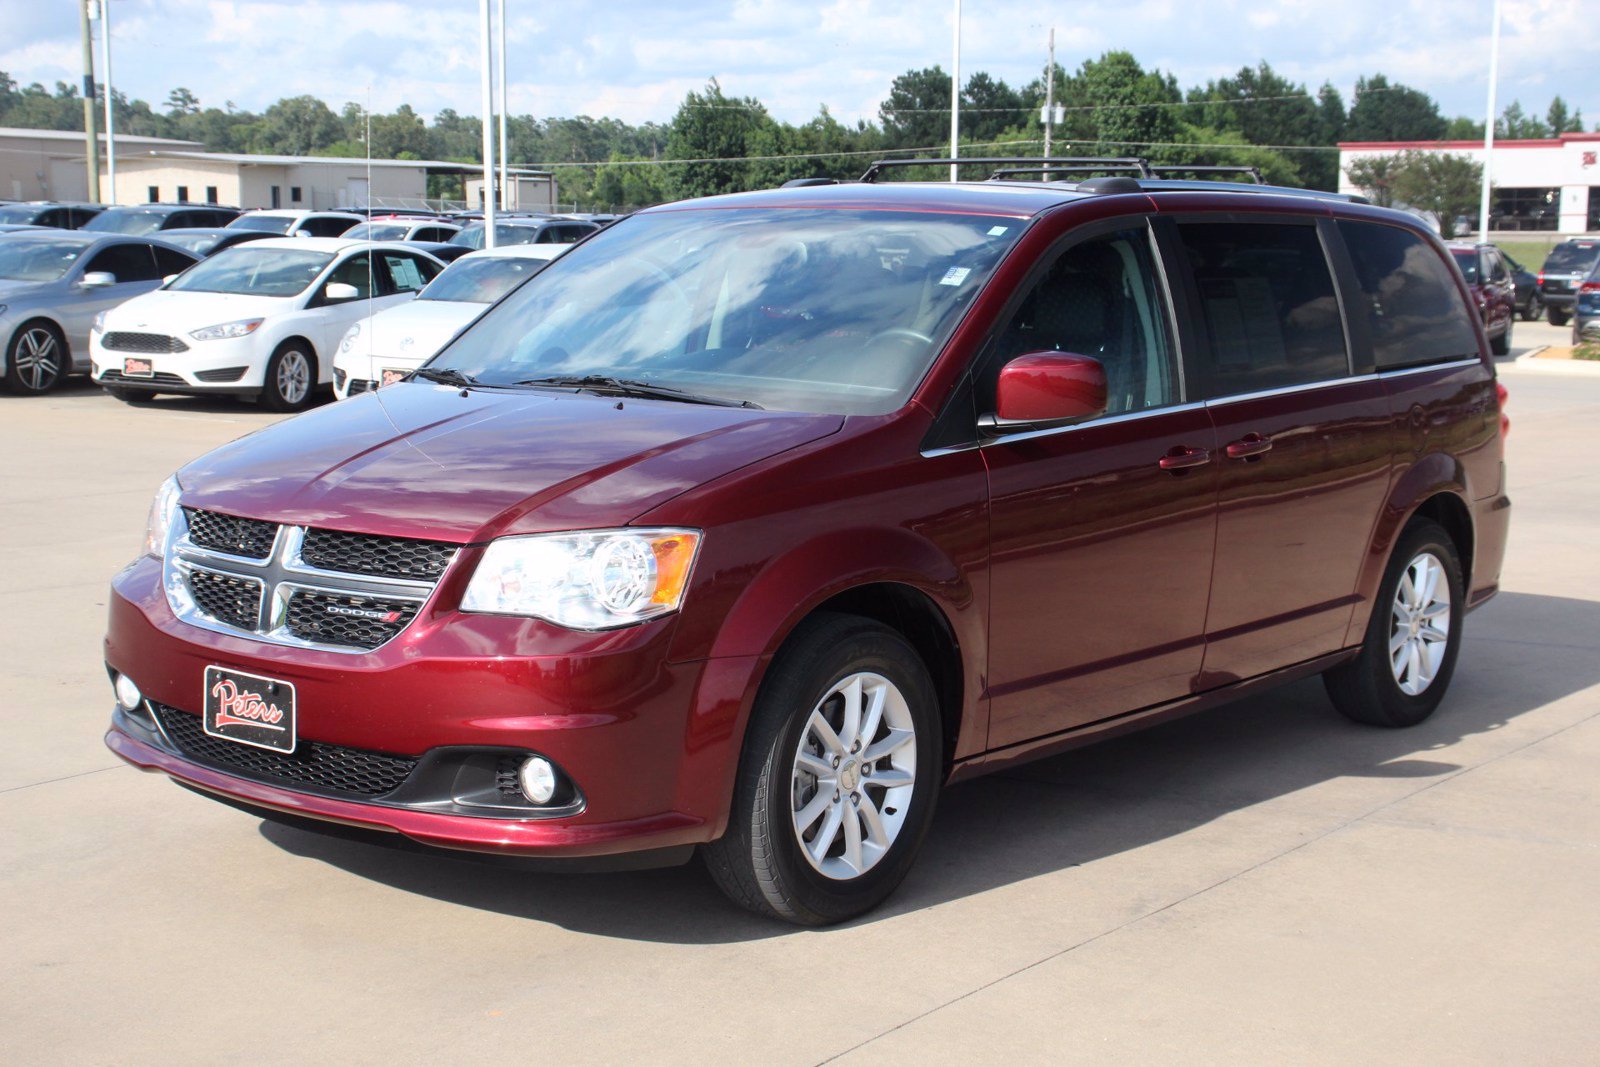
column 1253, row 173
column 1133, row 163
column 1066, row 168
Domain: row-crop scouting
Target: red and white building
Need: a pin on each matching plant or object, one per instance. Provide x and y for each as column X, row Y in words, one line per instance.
column 1550, row 184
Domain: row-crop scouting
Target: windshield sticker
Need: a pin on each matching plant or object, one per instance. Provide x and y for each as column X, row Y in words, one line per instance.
column 998, row 231
column 955, row 275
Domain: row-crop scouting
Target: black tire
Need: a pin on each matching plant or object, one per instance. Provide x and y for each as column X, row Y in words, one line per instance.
column 273, row 395
column 1501, row 346
column 130, row 396
column 1557, row 317
column 1365, row 689
column 37, row 359
column 758, row 862
column 1533, row 309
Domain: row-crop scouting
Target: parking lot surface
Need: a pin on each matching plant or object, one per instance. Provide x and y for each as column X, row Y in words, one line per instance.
column 1263, row 882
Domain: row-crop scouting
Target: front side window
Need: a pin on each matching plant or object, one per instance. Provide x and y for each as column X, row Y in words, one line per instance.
column 356, row 271
column 1267, row 304
column 829, row 310
column 405, row 272
column 481, row 281
column 258, row 271
column 129, row 262
column 1100, row 298
column 1411, row 303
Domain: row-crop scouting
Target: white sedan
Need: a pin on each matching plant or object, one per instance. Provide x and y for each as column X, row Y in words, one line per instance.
column 258, row 320
column 393, row 343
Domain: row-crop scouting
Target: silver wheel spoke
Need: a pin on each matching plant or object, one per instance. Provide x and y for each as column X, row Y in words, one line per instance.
column 891, row 779
column 852, row 839
column 1432, row 634
column 850, row 730
column 815, row 764
column 819, row 728
column 830, row 829
column 896, row 740
column 872, row 822
column 813, row 811
column 874, row 716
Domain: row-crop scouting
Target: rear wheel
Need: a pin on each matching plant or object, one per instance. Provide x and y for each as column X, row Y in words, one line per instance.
column 37, row 359
column 838, row 779
column 291, row 377
column 1413, row 638
column 1501, row 346
column 1558, row 317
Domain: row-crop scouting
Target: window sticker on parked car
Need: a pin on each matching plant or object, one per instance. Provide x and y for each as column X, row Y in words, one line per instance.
column 998, row 231
column 955, row 275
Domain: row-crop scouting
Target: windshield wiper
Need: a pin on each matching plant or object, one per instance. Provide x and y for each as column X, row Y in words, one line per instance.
column 604, row 383
column 443, row 375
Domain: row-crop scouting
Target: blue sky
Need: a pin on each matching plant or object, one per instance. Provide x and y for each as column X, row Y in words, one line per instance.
column 635, row 60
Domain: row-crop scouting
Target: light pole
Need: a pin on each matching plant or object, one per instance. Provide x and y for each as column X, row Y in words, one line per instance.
column 104, row 7
column 1049, row 99
column 486, row 60
column 1488, row 126
column 955, row 97
column 505, row 151
column 91, row 148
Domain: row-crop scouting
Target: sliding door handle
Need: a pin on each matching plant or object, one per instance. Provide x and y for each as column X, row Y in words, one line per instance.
column 1181, row 458
column 1248, row 446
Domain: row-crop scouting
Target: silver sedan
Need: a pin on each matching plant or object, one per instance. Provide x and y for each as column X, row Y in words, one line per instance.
column 52, row 285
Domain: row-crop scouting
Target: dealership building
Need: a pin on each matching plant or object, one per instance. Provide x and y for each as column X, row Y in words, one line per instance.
column 1550, row 184
column 49, row 165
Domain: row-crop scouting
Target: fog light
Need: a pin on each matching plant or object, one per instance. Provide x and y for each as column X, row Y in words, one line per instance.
column 538, row 779
column 128, row 695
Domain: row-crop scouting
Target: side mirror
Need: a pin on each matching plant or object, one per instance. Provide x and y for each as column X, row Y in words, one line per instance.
column 169, row 279
column 1048, row 387
column 338, row 292
column 98, row 279
column 303, row 233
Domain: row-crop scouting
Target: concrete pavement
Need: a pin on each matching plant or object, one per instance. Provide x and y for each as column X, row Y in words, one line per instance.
column 1263, row 882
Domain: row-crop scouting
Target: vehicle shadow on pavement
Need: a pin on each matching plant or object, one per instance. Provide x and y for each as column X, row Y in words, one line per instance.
column 1070, row 810
column 81, row 388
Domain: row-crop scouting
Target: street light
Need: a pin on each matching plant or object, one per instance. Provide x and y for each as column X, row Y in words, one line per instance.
column 104, row 8
column 955, row 97
column 1488, row 126
column 485, row 60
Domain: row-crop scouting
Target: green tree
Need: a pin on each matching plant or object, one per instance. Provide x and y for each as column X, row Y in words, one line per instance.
column 1514, row 124
column 1441, row 184
column 296, row 126
column 712, row 132
column 1385, row 112
column 1560, row 121
column 988, row 106
column 1462, row 128
column 182, row 102
column 1131, row 107
column 1374, row 176
column 916, row 113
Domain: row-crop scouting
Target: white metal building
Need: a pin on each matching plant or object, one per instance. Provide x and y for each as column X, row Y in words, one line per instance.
column 48, row 164
column 1552, row 184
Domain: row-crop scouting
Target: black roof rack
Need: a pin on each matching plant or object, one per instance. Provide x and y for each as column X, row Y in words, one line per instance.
column 1136, row 166
column 1090, row 162
column 1253, row 173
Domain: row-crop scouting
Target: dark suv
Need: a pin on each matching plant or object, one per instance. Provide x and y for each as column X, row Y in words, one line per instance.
column 752, row 522
column 1494, row 289
column 152, row 218
column 1563, row 273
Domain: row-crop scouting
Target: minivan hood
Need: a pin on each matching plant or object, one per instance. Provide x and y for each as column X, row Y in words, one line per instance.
column 180, row 312
column 422, row 460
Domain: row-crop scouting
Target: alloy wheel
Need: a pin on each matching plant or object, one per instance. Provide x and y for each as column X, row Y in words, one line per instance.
column 1419, row 634
column 37, row 359
column 294, row 377
column 854, row 768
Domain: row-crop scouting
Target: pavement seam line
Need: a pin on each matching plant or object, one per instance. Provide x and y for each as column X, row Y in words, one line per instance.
column 63, row 778
column 1206, row 889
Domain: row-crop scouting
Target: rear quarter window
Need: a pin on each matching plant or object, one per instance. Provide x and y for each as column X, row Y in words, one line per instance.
column 1411, row 303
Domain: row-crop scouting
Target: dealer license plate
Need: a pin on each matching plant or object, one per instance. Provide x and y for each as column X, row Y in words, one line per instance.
column 138, row 368
column 249, row 709
column 390, row 375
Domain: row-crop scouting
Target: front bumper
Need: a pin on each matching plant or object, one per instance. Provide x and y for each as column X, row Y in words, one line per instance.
column 652, row 746
column 231, row 366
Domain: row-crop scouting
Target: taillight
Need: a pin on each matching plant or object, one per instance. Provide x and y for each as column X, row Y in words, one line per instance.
column 1590, row 287
column 1500, row 394
column 1541, row 277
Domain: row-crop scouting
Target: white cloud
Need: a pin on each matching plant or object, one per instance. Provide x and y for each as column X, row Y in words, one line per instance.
column 635, row 59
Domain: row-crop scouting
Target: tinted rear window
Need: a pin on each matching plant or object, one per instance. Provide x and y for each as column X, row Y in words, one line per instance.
column 1468, row 262
column 1573, row 255
column 1413, row 308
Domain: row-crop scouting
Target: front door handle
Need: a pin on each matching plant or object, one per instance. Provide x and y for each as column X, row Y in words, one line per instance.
column 1249, row 446
column 1182, row 458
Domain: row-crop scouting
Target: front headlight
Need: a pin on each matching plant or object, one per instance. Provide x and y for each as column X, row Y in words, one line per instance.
column 97, row 326
column 224, row 330
column 594, row 580
column 162, row 511
column 350, row 336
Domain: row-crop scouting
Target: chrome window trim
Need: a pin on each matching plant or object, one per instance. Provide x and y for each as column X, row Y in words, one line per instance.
column 281, row 573
column 1129, row 416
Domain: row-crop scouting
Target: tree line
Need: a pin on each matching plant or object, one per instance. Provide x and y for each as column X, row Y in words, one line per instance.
column 716, row 143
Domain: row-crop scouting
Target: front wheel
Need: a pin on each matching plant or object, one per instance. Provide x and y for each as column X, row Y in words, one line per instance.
column 839, row 776
column 1501, row 346
column 1413, row 638
column 291, row 377
column 36, row 360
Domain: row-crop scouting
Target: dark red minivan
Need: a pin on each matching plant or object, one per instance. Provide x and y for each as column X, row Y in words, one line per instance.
column 754, row 521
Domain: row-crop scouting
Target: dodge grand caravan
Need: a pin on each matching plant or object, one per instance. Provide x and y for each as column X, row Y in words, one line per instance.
column 754, row 521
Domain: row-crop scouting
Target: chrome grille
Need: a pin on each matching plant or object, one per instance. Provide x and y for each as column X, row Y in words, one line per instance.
column 293, row 585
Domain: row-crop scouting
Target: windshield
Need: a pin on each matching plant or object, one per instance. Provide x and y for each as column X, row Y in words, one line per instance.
column 1467, row 260
column 129, row 221
column 35, row 259
column 481, row 281
column 23, row 213
column 256, row 271
column 377, row 231
column 1573, row 256
column 264, row 223
column 829, row 311
column 504, row 234
column 198, row 243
